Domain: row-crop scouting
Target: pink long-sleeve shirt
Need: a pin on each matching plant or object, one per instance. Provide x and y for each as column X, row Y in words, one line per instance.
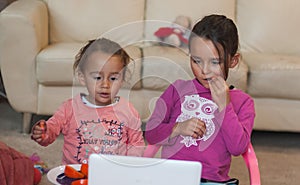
column 227, row 133
column 113, row 129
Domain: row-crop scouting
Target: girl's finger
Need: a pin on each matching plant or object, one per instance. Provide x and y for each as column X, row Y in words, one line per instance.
column 212, row 85
column 43, row 128
column 195, row 136
column 35, row 137
column 217, row 83
column 37, row 132
column 38, row 128
column 201, row 132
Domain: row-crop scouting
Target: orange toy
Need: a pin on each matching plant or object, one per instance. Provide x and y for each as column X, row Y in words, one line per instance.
column 84, row 169
column 42, row 125
column 73, row 173
column 80, row 182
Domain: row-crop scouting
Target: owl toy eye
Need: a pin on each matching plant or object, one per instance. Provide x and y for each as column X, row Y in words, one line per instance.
column 191, row 105
column 208, row 108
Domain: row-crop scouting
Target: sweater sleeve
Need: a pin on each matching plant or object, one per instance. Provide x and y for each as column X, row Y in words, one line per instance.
column 161, row 123
column 56, row 124
column 237, row 125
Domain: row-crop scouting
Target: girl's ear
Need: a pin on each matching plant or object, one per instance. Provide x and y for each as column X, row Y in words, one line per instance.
column 234, row 60
column 81, row 78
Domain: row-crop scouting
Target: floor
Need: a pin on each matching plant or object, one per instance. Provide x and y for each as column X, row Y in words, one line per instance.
column 278, row 153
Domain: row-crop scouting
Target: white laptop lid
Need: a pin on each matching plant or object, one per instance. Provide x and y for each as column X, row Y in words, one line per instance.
column 128, row 170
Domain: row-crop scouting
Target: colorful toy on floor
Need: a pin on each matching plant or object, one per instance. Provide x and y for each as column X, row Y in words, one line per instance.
column 40, row 168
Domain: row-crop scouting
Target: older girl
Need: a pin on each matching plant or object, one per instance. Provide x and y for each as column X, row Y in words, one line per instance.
column 203, row 119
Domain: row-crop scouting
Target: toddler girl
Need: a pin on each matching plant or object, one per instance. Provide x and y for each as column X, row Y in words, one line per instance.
column 100, row 121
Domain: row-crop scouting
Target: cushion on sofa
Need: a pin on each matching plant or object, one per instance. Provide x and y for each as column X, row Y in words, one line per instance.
column 269, row 27
column 163, row 65
column 276, row 77
column 238, row 76
column 164, row 12
column 55, row 65
column 277, row 114
column 84, row 20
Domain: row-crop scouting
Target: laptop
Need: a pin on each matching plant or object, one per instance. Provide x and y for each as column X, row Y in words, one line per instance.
column 129, row 170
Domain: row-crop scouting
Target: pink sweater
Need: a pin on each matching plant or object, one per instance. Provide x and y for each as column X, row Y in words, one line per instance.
column 228, row 132
column 114, row 129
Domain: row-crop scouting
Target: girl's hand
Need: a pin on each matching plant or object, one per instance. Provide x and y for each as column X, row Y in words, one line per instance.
column 39, row 130
column 219, row 92
column 193, row 127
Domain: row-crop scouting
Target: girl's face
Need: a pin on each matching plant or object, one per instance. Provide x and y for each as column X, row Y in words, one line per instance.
column 103, row 77
column 205, row 60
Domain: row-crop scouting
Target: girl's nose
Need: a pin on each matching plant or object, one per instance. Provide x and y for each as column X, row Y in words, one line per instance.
column 205, row 68
column 105, row 83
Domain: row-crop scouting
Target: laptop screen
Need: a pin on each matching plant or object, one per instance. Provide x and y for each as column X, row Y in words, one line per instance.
column 128, row 170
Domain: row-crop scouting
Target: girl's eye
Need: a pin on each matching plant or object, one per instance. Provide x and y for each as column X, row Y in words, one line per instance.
column 215, row 62
column 196, row 60
column 114, row 78
column 97, row 78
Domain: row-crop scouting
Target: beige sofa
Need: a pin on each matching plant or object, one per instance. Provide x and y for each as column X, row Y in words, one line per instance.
column 39, row 39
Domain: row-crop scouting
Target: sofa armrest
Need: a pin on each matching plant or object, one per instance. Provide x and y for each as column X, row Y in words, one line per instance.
column 23, row 33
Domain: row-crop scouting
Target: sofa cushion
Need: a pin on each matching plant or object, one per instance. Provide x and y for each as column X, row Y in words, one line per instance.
column 277, row 114
column 238, row 76
column 55, row 65
column 163, row 65
column 78, row 21
column 143, row 100
column 273, row 76
column 162, row 13
column 269, row 27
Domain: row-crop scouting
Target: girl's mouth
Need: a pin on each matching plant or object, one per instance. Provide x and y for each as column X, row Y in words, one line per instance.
column 207, row 79
column 105, row 95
